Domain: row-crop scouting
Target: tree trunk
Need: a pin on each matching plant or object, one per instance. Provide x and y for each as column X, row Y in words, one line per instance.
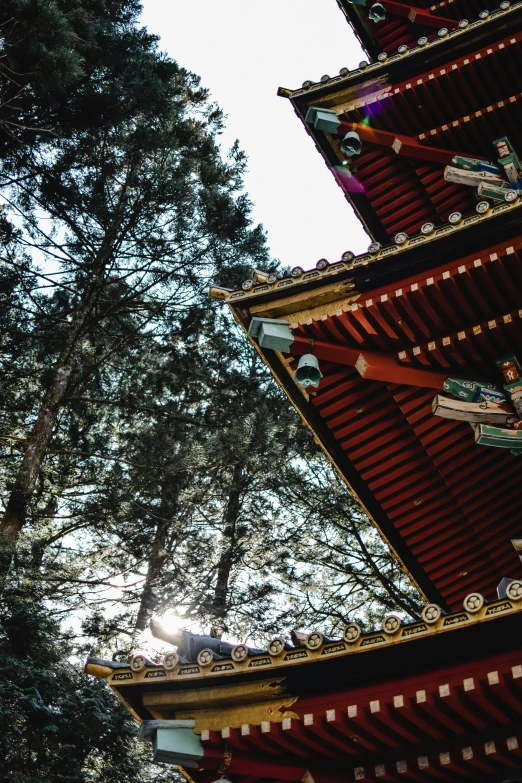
column 226, row 560
column 157, row 559
column 37, row 443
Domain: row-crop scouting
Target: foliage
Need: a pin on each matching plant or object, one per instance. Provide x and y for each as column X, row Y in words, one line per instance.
column 57, row 724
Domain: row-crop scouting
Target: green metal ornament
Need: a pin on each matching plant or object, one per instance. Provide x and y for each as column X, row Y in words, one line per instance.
column 322, row 119
column 351, row 144
column 508, row 159
column 377, row 12
column 308, row 372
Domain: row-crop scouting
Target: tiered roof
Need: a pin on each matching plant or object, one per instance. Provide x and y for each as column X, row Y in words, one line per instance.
column 413, row 111
column 437, row 295
column 438, row 699
column 397, row 29
column 440, row 305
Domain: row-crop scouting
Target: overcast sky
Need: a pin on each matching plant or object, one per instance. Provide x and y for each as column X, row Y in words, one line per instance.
column 243, row 51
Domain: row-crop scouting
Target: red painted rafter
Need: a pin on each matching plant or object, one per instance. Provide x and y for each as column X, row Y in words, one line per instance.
column 417, row 15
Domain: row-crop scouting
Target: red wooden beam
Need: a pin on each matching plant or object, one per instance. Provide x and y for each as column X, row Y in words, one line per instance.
column 418, row 15
column 330, row 352
column 401, row 144
column 373, row 366
column 379, row 367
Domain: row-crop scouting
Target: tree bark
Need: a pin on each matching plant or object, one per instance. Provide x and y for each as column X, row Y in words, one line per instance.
column 226, row 560
column 15, row 515
column 157, row 558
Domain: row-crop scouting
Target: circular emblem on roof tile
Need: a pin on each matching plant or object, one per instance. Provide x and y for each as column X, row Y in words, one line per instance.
column 276, row 646
column 247, row 285
column 325, row 78
column 272, row 278
column 239, row 652
column 344, row 72
column 483, row 14
column 511, row 195
column 322, row 263
column 402, row 48
column 205, row 657
column 504, row 5
column 401, row 238
column 314, row 640
column 431, row 613
column 422, row 40
column 427, row 228
column 363, row 64
column 138, row 662
column 351, row 633
column 473, row 602
column 514, row 590
column 348, row 256
column 443, row 32
column 482, row 207
column 463, row 24
column 297, row 271
column 391, row 623
column 382, row 57
column 170, row 661
column 455, row 218
column 307, row 84
column 374, row 248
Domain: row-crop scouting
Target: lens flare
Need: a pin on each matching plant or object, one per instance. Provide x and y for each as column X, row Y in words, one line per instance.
column 347, row 180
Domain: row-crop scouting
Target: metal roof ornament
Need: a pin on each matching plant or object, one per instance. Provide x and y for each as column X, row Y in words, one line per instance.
column 455, row 218
column 474, row 602
column 276, row 646
column 322, row 119
column 495, row 416
column 239, row 652
column 351, row 144
column 431, row 614
column 138, row 662
column 514, row 590
column 308, row 372
column 508, row 160
column 352, row 633
column 273, row 333
column 377, row 12
column 391, row 624
column 170, row 661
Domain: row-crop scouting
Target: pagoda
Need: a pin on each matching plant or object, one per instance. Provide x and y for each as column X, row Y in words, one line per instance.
column 406, row 363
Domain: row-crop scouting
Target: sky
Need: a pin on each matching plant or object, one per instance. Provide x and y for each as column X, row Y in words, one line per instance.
column 243, row 51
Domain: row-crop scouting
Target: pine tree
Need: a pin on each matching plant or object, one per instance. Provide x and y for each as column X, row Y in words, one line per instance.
column 141, row 214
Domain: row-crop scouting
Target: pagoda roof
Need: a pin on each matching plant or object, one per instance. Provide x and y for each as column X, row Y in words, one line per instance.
column 398, row 29
column 438, row 698
column 413, row 113
column 388, row 328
